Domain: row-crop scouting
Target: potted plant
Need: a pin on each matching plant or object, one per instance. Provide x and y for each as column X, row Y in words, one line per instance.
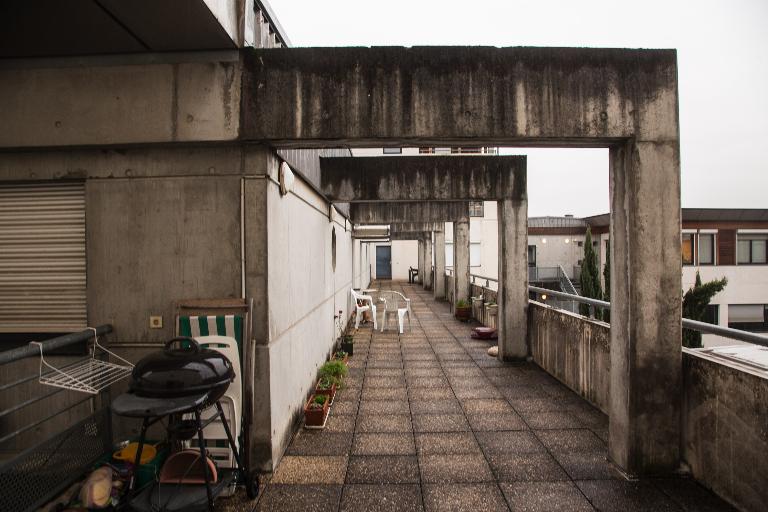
column 341, row 355
column 335, row 371
column 326, row 386
column 316, row 411
column 348, row 344
column 463, row 310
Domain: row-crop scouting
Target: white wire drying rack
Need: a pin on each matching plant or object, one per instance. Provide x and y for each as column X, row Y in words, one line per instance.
column 89, row 376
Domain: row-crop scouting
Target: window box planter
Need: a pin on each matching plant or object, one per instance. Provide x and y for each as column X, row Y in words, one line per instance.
column 463, row 311
column 348, row 344
column 316, row 411
column 326, row 387
column 342, row 356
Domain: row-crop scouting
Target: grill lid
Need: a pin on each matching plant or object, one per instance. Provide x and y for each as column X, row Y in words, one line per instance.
column 181, row 371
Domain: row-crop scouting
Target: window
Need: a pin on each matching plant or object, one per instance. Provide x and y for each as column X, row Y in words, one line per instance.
column 751, row 248
column 393, row 151
column 686, row 248
column 706, row 249
column 476, row 209
column 748, row 317
column 474, row 254
column 531, row 255
column 333, row 248
column 712, row 314
column 580, row 243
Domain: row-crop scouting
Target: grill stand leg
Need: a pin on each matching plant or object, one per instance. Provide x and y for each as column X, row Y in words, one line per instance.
column 204, row 459
column 137, row 459
column 231, row 440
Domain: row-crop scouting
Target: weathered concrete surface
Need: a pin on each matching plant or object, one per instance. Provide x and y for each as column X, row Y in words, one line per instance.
column 420, row 254
column 646, row 313
column 460, row 262
column 439, row 285
column 512, row 294
column 394, row 212
column 427, row 280
column 121, row 100
column 439, row 94
column 418, row 178
column 725, row 434
column 574, row 349
column 408, row 235
column 417, row 226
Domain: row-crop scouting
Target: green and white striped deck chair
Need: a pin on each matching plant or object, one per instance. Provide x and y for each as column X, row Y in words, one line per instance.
column 221, row 325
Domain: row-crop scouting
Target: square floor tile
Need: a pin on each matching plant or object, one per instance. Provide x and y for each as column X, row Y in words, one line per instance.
column 514, row 467
column 384, row 407
column 428, row 382
column 435, row 406
column 463, row 498
column 320, row 442
column 411, row 373
column 317, row 498
column 384, row 382
column 383, row 469
column 395, row 394
column 340, row 423
column 381, row 498
column 486, row 406
column 344, row 408
column 475, row 393
column 691, row 496
column 587, row 465
column 571, row 440
column 545, row 497
column 430, row 394
column 383, row 444
column 446, row 443
column 454, row 469
column 440, row 423
column 621, row 496
column 535, row 404
column 496, row 422
column 299, row 469
column 516, row 441
column 384, row 423
column 550, row 420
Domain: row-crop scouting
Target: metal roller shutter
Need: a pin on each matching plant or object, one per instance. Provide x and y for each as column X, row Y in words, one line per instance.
column 42, row 258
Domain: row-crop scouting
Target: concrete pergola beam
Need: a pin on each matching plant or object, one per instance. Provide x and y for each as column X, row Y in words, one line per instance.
column 417, row 226
column 403, row 211
column 626, row 100
column 420, row 178
column 410, row 235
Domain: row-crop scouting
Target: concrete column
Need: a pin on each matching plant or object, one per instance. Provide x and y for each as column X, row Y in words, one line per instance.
column 439, row 284
column 428, row 263
column 460, row 261
column 646, row 366
column 356, row 267
column 420, row 263
column 512, row 296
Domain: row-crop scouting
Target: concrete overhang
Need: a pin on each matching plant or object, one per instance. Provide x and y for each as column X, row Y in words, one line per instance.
column 373, row 232
column 417, row 226
column 439, row 96
column 403, row 211
column 410, row 235
column 55, row 28
column 421, row 178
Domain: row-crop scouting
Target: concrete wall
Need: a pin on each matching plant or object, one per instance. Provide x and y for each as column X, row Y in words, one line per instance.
column 120, row 100
column 305, row 292
column 725, row 437
column 573, row 349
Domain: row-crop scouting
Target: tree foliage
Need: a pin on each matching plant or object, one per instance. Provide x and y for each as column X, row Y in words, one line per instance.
column 695, row 302
column 590, row 280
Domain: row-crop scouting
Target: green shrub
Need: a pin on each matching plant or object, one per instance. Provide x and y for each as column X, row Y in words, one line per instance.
column 335, row 371
column 462, row 304
column 325, row 383
column 318, row 402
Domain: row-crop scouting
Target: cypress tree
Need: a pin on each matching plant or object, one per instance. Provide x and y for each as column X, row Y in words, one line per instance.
column 695, row 302
column 590, row 282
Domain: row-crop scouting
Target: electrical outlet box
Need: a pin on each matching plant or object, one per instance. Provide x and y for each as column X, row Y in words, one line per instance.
column 155, row 322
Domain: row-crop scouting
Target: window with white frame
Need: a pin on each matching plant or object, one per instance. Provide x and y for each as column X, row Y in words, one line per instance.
column 751, row 248
column 474, row 254
column 706, row 249
column 748, row 317
column 476, row 209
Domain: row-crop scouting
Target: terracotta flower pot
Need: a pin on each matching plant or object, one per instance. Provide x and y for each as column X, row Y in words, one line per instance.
column 463, row 313
column 331, row 392
column 315, row 417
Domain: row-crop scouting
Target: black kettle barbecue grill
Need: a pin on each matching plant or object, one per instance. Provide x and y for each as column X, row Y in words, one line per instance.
column 173, row 382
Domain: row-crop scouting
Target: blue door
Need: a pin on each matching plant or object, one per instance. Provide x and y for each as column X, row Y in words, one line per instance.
column 383, row 262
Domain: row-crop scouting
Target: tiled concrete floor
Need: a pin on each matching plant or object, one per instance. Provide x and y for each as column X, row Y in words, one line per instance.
column 428, row 421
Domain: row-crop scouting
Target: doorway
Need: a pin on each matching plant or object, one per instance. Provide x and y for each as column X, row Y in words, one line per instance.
column 383, row 262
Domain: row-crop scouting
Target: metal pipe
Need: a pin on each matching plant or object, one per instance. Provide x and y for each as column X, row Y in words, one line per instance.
column 19, row 353
column 36, row 423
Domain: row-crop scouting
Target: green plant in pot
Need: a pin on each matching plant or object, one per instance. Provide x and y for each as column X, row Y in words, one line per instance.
column 463, row 310
column 348, row 344
column 326, row 386
column 316, row 411
column 341, row 355
column 335, row 371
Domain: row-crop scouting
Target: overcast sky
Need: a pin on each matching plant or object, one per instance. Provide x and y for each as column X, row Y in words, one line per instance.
column 723, row 77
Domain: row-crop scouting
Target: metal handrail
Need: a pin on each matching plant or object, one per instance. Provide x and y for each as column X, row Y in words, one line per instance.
column 695, row 325
column 16, row 354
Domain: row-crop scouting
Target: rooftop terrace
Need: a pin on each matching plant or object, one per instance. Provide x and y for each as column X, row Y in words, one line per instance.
column 428, row 421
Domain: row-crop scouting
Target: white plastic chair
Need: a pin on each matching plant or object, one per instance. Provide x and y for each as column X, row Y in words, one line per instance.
column 395, row 303
column 359, row 309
